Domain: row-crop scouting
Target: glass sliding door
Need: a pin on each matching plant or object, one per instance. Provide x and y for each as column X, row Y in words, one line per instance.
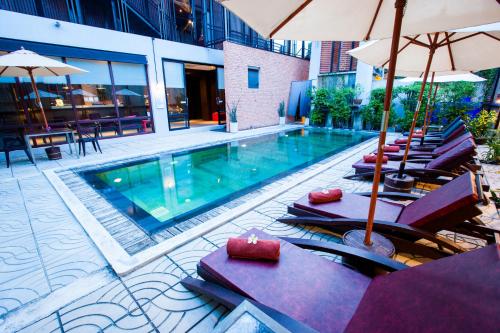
column 175, row 89
column 221, row 96
column 132, row 97
column 93, row 95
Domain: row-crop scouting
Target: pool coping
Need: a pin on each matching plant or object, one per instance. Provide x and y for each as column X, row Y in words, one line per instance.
column 122, row 262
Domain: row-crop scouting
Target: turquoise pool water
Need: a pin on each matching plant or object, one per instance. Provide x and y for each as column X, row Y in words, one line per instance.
column 158, row 192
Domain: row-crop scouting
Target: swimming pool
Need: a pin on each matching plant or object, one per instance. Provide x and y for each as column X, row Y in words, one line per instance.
column 161, row 191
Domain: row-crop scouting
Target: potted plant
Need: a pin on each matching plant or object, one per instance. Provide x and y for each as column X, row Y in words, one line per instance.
column 357, row 100
column 233, row 117
column 480, row 125
column 281, row 112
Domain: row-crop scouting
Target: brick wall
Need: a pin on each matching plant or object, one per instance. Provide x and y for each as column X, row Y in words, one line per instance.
column 258, row 107
column 329, row 60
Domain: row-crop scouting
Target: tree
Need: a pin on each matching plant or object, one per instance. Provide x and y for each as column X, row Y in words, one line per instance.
column 452, row 97
column 372, row 112
column 408, row 96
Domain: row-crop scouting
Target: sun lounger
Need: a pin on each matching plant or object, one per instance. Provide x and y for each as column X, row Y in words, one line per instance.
column 458, row 129
column 329, row 297
column 442, row 165
column 451, row 207
column 431, row 153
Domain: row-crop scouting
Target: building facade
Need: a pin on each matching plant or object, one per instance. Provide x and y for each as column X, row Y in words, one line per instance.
column 153, row 66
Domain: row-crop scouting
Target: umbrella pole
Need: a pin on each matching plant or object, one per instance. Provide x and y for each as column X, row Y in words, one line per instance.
column 431, row 110
column 38, row 100
column 427, row 108
column 417, row 108
column 396, row 33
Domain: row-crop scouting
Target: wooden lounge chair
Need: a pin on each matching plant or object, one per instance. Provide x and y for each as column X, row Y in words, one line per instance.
column 451, row 207
column 329, row 297
column 434, row 130
column 427, row 170
column 12, row 141
column 437, row 140
column 432, row 152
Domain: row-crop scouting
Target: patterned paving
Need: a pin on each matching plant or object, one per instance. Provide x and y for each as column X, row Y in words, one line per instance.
column 43, row 248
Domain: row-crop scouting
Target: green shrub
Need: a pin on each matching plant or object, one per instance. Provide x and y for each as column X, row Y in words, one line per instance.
column 450, row 95
column 340, row 108
column 493, row 153
column 408, row 96
column 481, row 123
column 321, row 104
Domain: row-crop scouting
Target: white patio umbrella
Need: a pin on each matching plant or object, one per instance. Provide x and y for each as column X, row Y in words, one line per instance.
column 434, row 53
column 467, row 77
column 82, row 92
column 23, row 63
column 126, row 92
column 42, row 94
column 343, row 20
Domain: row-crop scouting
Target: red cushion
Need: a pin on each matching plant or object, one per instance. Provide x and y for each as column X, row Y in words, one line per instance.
column 253, row 248
column 400, row 141
column 373, row 158
column 391, row 149
column 317, row 197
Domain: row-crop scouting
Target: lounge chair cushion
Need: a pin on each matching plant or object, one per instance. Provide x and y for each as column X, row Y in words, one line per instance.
column 316, row 291
column 352, row 206
column 455, row 134
column 454, row 157
column 361, row 166
column 431, row 211
column 451, row 144
column 454, row 294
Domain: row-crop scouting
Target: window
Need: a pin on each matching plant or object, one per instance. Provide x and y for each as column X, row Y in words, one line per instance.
column 253, row 77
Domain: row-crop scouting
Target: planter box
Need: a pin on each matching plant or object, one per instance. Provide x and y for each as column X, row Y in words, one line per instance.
column 282, row 120
column 53, row 153
column 233, row 127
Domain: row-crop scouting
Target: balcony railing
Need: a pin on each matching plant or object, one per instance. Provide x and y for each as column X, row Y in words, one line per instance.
column 174, row 20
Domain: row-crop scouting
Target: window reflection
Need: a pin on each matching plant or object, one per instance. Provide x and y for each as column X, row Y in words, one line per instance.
column 55, row 97
column 132, row 98
column 12, row 114
column 93, row 95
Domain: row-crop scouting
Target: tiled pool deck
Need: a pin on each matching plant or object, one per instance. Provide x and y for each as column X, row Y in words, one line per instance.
column 53, row 278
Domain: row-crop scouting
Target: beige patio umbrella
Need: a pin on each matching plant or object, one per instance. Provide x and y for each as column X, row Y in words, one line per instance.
column 433, row 53
column 24, row 63
column 343, row 20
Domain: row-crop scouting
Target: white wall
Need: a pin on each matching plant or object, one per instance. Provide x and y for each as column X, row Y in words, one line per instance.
column 38, row 29
column 314, row 63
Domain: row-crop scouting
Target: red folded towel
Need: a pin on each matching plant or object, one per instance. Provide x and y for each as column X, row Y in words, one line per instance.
column 391, row 149
column 399, row 141
column 253, row 248
column 325, row 196
column 417, row 135
column 373, row 158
